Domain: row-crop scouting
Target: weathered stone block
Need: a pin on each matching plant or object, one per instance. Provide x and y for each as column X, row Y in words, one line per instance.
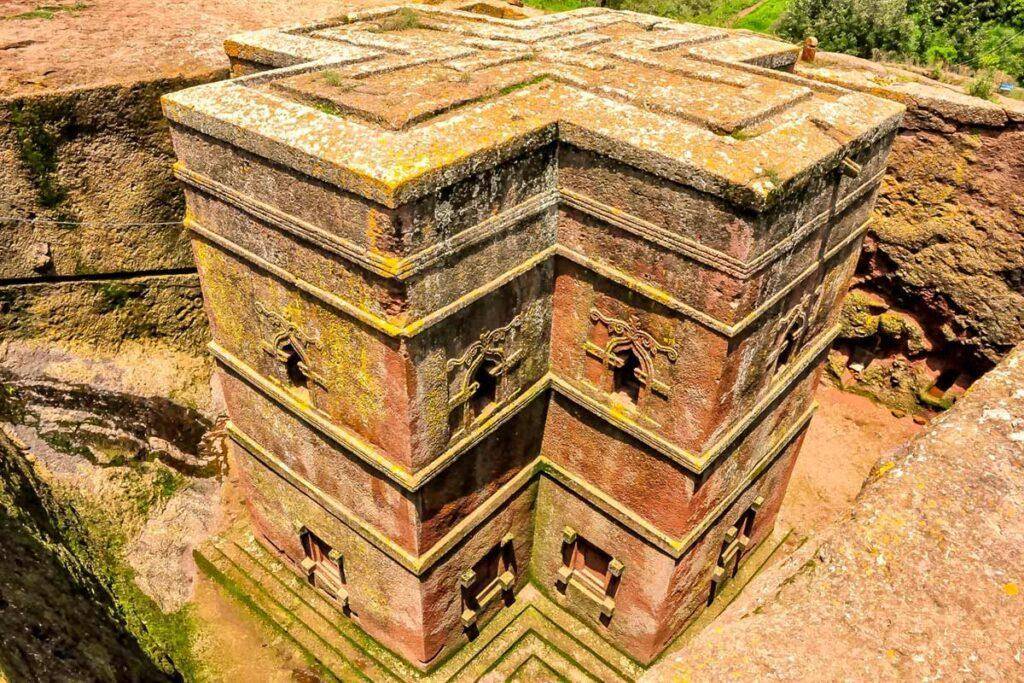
column 506, row 301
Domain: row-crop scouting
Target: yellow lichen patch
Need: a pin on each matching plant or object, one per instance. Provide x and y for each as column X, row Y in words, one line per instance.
column 669, row 111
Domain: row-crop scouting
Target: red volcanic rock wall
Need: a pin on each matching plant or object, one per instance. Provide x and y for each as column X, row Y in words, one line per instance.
column 939, row 292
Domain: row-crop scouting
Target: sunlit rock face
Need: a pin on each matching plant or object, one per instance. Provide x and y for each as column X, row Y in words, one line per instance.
column 520, row 309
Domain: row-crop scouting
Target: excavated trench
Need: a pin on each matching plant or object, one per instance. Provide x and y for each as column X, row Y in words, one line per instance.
column 72, row 455
column 62, row 608
column 70, row 606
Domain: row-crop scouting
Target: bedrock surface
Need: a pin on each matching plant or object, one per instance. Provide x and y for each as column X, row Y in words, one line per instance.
column 922, row 580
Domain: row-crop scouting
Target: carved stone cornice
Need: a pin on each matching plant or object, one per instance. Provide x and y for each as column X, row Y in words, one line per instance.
column 622, row 515
column 377, row 459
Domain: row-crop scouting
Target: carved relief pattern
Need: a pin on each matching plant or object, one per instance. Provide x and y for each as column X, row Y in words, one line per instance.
column 283, row 334
column 793, row 329
column 492, row 346
column 628, row 335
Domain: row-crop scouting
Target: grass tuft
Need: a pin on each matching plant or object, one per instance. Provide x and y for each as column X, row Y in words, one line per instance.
column 983, row 85
column 48, row 11
column 402, row 20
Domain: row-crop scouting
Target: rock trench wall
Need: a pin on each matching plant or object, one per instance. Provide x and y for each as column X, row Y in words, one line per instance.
column 921, row 581
column 938, row 298
column 58, row 621
column 93, row 251
column 104, row 494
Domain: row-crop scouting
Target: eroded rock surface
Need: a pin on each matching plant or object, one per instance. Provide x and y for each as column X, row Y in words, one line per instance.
column 945, row 256
column 922, row 581
column 134, row 478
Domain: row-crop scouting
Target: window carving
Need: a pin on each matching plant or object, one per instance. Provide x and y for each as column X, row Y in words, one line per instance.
column 289, row 347
column 787, row 346
column 630, row 353
column 324, row 568
column 491, row 578
column 735, row 545
column 793, row 331
column 481, row 385
column 591, row 570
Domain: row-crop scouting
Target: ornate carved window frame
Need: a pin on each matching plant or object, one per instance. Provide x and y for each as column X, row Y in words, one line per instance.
column 628, row 336
column 794, row 326
column 493, row 347
column 475, row 602
column 328, row 580
column 567, row 575
column 284, row 334
column 735, row 545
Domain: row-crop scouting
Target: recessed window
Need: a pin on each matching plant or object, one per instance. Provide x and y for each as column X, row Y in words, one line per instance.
column 491, row 579
column 295, row 371
column 735, row 544
column 594, row 573
column 591, row 564
column 486, row 393
column 625, row 381
column 323, row 567
column 485, row 572
column 788, row 349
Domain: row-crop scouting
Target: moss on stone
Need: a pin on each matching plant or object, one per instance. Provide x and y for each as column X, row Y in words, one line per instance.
column 40, row 126
column 858, row 319
column 47, row 11
column 116, row 294
column 101, row 541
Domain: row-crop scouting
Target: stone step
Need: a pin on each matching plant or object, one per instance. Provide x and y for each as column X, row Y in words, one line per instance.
column 278, row 608
column 321, row 615
column 344, row 652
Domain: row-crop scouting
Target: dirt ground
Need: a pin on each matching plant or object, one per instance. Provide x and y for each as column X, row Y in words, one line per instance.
column 52, row 44
column 242, row 646
column 846, row 437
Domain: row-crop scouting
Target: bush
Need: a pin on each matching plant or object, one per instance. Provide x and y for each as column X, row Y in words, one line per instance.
column 982, row 34
column 983, row 85
column 673, row 9
column 860, row 27
column 1001, row 47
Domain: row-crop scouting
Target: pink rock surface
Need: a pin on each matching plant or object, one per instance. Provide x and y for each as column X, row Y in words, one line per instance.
column 922, row 581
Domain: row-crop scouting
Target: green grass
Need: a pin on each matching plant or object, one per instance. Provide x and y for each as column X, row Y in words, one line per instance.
column 519, row 86
column 48, row 11
column 763, row 18
column 983, row 85
column 402, row 20
column 556, row 5
column 723, row 12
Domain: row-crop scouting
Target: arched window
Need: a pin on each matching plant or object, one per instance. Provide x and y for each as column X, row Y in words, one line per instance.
column 486, row 393
column 789, row 344
column 295, row 370
column 477, row 390
column 786, row 353
column 625, row 381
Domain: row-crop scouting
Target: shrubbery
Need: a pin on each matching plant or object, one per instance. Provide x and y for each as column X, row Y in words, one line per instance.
column 983, row 34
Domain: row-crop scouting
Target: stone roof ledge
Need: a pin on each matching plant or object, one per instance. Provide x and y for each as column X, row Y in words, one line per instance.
column 924, row 580
column 946, row 100
column 394, row 108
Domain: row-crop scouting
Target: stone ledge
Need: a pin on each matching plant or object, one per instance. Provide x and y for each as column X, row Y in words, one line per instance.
column 949, row 102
